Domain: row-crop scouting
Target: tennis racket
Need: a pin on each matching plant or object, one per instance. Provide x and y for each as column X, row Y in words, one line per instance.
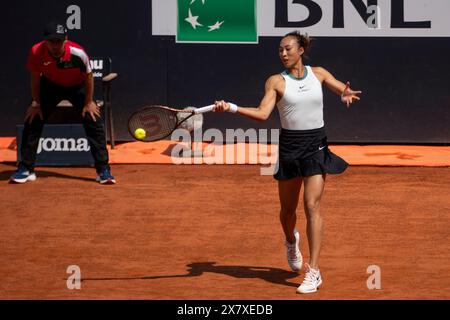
column 153, row 123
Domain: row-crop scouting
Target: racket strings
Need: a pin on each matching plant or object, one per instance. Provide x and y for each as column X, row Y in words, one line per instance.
column 158, row 123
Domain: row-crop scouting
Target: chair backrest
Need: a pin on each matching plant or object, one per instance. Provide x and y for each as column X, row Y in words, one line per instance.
column 101, row 66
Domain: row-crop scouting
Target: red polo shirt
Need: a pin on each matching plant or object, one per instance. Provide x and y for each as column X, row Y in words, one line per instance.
column 68, row 71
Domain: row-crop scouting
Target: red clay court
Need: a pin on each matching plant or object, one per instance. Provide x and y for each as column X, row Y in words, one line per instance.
column 212, row 231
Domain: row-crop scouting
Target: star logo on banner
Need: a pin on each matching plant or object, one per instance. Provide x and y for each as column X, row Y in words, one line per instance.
column 218, row 21
column 193, row 20
column 215, row 26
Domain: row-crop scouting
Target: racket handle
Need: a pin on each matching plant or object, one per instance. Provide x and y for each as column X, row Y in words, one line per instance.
column 205, row 109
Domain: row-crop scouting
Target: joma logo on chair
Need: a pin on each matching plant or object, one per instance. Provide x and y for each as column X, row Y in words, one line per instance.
column 63, row 144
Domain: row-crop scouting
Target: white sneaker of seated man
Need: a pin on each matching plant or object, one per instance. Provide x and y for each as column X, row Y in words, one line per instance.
column 312, row 280
column 294, row 256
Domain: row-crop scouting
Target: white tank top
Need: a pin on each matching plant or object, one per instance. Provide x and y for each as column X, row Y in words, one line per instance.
column 301, row 107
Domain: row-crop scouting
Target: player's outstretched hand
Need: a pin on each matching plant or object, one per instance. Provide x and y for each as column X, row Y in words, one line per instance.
column 348, row 96
column 221, row 106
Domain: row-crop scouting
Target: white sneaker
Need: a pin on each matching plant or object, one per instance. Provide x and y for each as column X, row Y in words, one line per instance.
column 294, row 256
column 312, row 281
column 22, row 175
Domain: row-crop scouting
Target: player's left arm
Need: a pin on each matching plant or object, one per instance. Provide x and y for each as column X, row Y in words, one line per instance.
column 90, row 106
column 348, row 96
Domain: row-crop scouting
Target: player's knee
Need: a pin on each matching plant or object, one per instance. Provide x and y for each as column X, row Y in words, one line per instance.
column 312, row 207
column 288, row 211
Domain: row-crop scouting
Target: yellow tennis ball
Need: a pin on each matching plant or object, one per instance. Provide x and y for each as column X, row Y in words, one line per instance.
column 139, row 133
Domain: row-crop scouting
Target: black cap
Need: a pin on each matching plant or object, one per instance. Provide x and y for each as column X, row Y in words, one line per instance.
column 55, row 30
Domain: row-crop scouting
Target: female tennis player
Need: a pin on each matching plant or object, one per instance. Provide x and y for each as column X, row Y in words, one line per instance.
column 304, row 157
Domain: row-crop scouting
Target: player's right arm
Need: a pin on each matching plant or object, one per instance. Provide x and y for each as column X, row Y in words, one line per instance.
column 265, row 108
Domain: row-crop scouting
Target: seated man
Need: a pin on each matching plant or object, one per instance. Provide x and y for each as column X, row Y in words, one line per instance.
column 60, row 70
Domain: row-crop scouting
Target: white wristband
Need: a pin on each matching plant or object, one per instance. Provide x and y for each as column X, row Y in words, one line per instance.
column 233, row 107
column 35, row 104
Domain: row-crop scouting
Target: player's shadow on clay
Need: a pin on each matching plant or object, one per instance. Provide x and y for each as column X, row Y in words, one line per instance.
column 272, row 275
column 5, row 175
column 178, row 152
column 170, row 150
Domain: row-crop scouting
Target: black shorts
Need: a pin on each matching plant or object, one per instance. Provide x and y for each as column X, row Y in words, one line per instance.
column 304, row 153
